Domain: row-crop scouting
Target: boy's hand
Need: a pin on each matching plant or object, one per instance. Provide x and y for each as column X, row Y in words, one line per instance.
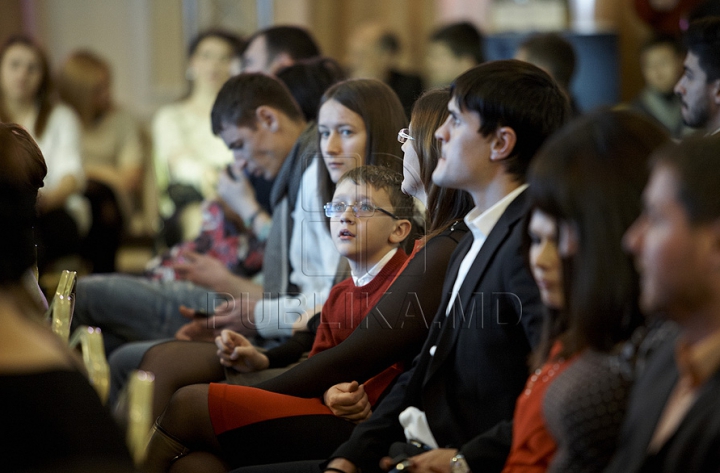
column 349, row 401
column 235, row 351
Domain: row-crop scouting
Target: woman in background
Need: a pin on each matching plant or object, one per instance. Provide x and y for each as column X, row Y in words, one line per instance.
column 26, row 98
column 112, row 153
column 188, row 157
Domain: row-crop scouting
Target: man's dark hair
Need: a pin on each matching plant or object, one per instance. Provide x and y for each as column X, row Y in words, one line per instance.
column 293, row 40
column 243, row 94
column 554, row 53
column 694, row 160
column 703, row 40
column 463, row 39
column 518, row 95
column 308, row 80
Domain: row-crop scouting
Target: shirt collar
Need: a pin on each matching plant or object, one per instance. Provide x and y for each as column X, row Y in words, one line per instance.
column 374, row 271
column 482, row 223
column 698, row 362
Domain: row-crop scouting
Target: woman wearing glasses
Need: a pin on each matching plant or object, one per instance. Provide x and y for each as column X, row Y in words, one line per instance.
column 389, row 336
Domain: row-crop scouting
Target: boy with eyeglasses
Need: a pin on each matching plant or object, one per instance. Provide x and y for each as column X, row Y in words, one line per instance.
column 369, row 219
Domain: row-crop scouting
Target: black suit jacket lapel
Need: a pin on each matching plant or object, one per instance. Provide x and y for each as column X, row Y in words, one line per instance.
column 514, row 212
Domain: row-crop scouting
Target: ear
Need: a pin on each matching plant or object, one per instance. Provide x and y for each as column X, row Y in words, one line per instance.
column 268, row 118
column 503, row 143
column 401, row 231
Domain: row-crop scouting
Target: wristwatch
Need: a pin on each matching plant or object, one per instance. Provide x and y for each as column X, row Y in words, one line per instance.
column 458, row 464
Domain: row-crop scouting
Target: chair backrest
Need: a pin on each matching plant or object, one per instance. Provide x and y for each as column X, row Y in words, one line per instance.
column 90, row 342
column 61, row 307
column 139, row 413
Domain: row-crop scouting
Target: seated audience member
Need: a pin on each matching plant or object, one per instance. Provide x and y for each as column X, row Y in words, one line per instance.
column 112, row 154
column 673, row 420
column 699, row 86
column 453, row 49
column 271, row 49
column 26, row 99
column 53, row 419
column 574, row 180
column 257, row 112
column 487, row 144
column 354, row 128
column 555, row 55
column 396, row 326
column 187, row 157
column 369, row 218
column 373, row 53
column 661, row 62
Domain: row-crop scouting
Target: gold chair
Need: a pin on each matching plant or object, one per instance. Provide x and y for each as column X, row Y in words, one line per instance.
column 90, row 342
column 60, row 309
column 139, row 413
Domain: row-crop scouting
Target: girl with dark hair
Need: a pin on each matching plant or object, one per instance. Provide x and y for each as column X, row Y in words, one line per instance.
column 188, row 157
column 378, row 107
column 586, row 185
column 335, row 373
column 26, row 98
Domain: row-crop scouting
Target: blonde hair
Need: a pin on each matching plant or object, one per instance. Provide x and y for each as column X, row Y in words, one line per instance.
column 78, row 81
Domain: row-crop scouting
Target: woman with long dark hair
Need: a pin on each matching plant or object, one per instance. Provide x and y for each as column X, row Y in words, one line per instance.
column 587, row 180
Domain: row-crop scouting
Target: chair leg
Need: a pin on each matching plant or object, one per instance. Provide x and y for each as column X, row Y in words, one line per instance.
column 162, row 451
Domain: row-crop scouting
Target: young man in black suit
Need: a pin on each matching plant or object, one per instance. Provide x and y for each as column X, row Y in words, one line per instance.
column 474, row 363
column 673, row 419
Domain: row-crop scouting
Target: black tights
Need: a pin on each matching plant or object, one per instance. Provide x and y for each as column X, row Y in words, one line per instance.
column 177, row 364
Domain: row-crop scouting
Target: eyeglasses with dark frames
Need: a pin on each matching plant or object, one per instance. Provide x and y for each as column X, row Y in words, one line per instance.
column 360, row 209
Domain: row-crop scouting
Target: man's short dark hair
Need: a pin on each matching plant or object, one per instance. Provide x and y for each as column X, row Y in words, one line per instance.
column 518, row 95
column 694, row 161
column 463, row 39
column 295, row 41
column 703, row 40
column 553, row 52
column 243, row 94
